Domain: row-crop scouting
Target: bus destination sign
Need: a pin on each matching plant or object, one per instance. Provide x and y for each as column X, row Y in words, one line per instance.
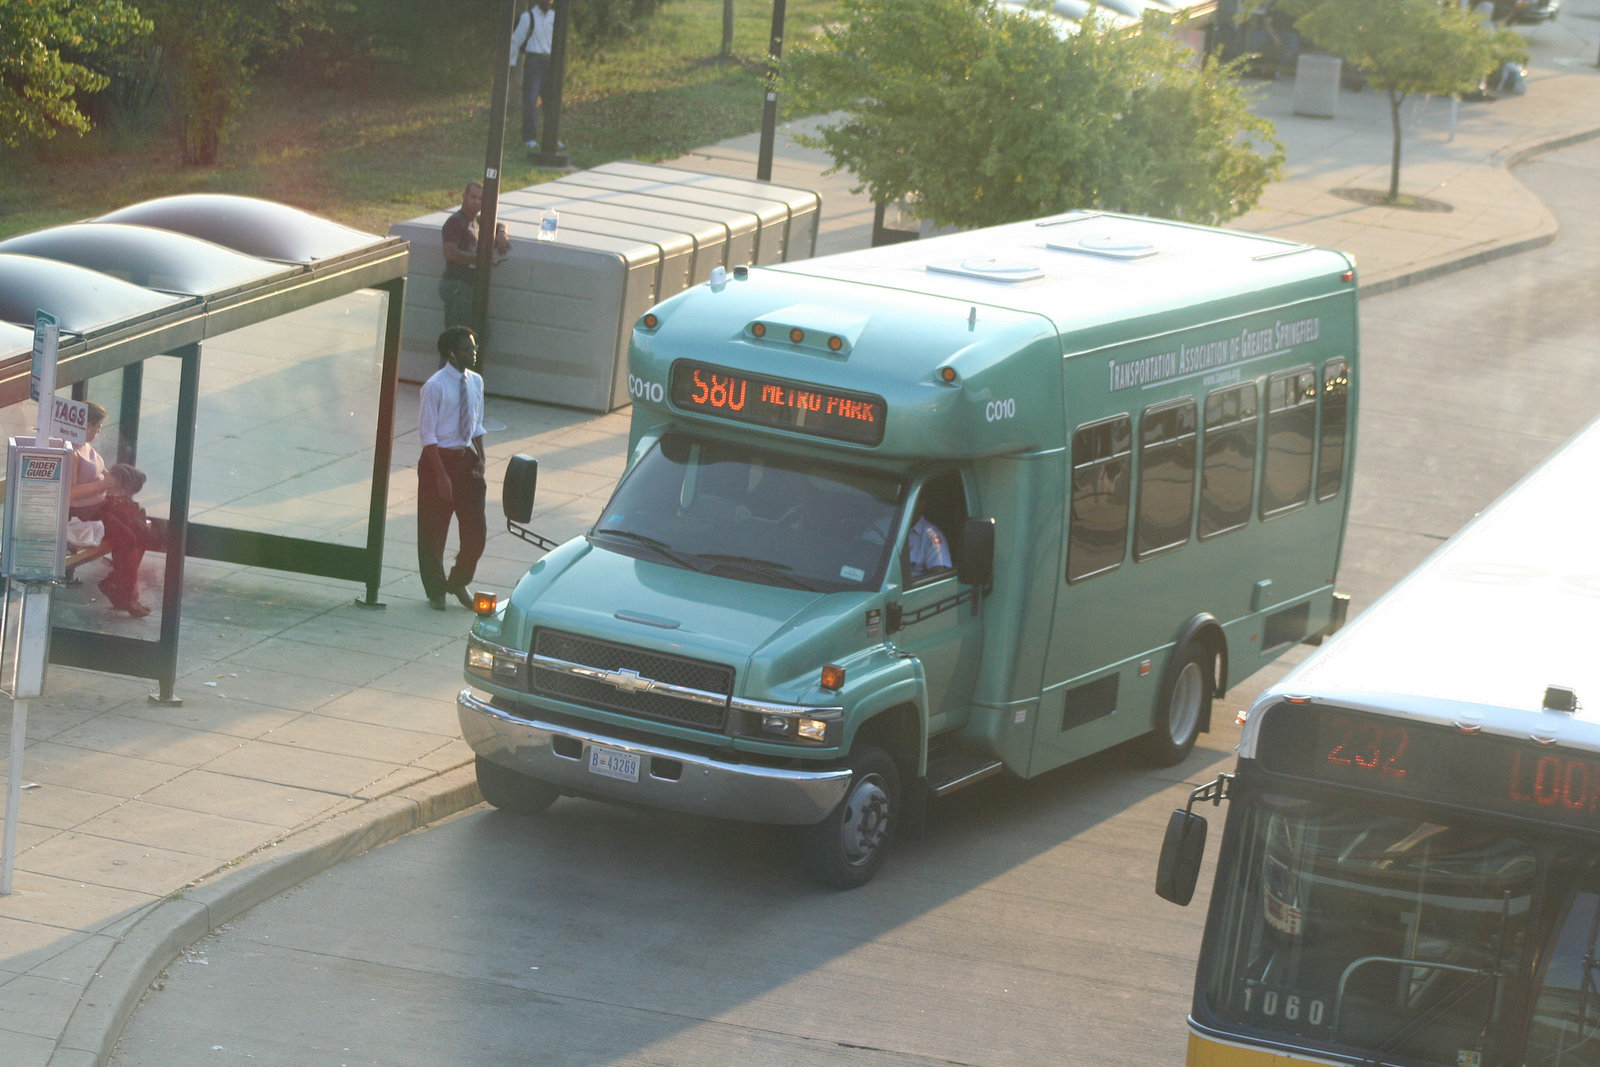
column 803, row 407
column 1479, row 770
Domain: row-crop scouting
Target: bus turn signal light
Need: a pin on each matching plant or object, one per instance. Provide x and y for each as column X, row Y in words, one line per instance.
column 484, row 604
column 833, row 677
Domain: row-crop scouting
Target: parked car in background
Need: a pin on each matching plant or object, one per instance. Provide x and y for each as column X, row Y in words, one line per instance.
column 1526, row 10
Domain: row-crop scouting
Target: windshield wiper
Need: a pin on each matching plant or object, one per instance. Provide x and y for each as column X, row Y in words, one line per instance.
column 763, row 568
column 655, row 543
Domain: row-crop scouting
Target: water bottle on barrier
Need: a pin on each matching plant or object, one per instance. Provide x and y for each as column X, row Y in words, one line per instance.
column 547, row 224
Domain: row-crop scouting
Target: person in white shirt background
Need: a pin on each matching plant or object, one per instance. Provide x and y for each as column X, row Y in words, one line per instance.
column 530, row 43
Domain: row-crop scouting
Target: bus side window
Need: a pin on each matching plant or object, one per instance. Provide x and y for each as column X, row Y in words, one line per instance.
column 1291, row 428
column 1335, row 424
column 1167, row 443
column 1228, row 463
column 1101, row 456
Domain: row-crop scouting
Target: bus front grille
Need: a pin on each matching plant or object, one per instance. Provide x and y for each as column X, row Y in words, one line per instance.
column 615, row 677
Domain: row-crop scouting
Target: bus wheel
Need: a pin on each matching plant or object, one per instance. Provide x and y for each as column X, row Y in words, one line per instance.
column 509, row 791
column 846, row 849
column 1185, row 703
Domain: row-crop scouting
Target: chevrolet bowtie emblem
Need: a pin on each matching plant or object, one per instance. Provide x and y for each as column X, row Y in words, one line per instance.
column 629, row 681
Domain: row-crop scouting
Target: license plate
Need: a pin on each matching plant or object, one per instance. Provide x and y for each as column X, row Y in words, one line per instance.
column 614, row 763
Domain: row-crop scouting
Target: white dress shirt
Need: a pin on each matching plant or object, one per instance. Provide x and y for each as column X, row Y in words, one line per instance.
column 439, row 417
column 534, row 33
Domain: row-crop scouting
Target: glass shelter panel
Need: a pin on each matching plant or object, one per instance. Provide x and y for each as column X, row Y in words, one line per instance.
column 283, row 442
column 283, row 435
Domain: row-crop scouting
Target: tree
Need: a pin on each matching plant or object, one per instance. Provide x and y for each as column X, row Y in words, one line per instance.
column 1410, row 46
column 207, row 52
column 42, row 45
column 978, row 115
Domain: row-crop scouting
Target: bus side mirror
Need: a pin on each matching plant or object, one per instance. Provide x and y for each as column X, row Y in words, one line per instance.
column 516, row 494
column 976, row 565
column 1178, row 870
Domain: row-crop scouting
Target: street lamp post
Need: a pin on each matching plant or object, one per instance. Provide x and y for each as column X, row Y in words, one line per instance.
column 769, row 111
column 550, row 153
column 491, row 174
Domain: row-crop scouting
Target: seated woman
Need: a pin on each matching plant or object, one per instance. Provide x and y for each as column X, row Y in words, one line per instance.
column 106, row 495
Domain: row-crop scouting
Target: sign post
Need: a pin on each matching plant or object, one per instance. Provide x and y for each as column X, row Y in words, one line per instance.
column 42, row 377
column 33, row 552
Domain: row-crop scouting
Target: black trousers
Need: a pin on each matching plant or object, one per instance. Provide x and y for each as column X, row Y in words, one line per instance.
column 434, row 512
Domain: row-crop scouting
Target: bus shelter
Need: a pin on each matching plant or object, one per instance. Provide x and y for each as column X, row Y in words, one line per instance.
column 247, row 354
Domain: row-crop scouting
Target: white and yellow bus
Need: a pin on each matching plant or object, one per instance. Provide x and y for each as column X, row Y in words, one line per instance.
column 1410, row 867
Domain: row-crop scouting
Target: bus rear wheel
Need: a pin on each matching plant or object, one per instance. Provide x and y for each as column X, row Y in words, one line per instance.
column 509, row 791
column 846, row 849
column 1185, row 703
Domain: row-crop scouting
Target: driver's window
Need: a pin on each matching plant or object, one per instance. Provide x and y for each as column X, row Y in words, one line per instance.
column 937, row 515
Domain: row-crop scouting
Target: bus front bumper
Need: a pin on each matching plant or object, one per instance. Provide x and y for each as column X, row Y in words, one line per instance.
column 589, row 763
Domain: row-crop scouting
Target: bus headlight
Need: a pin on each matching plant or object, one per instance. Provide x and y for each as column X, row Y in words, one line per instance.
column 786, row 722
column 496, row 663
column 813, row 730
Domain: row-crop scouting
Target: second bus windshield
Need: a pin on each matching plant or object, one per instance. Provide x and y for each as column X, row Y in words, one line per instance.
column 1413, row 941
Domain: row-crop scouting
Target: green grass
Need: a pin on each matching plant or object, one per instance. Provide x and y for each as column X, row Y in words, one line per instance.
column 371, row 156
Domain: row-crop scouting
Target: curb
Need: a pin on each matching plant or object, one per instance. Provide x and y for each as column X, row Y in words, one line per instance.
column 173, row 924
column 1472, row 259
column 1511, row 248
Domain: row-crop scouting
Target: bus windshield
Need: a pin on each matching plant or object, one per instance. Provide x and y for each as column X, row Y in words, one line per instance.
column 1358, row 928
column 744, row 512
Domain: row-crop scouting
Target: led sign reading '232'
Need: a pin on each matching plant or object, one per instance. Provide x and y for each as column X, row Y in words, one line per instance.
column 785, row 405
column 1410, row 759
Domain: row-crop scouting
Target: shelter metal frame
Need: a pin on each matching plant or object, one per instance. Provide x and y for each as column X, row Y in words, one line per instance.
column 179, row 330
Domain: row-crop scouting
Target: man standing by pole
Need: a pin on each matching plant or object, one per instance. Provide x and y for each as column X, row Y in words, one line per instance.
column 461, row 256
column 450, row 479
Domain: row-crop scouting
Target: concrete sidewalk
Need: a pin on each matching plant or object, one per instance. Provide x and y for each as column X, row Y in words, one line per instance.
column 312, row 729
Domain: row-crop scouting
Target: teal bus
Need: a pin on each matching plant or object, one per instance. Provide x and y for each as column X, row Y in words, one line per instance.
column 896, row 520
column 1410, row 868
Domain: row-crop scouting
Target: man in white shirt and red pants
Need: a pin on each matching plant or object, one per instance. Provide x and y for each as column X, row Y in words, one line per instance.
column 450, row 478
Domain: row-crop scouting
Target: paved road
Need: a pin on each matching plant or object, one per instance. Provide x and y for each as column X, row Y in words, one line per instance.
column 1020, row 931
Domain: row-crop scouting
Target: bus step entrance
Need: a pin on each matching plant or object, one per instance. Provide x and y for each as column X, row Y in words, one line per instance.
column 958, row 767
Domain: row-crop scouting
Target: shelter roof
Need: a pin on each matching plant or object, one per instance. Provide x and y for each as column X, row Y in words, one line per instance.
column 259, row 228
column 163, row 260
column 146, row 279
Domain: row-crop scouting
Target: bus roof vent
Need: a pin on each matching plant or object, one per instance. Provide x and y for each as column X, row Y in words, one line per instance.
column 1108, row 245
column 992, row 268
